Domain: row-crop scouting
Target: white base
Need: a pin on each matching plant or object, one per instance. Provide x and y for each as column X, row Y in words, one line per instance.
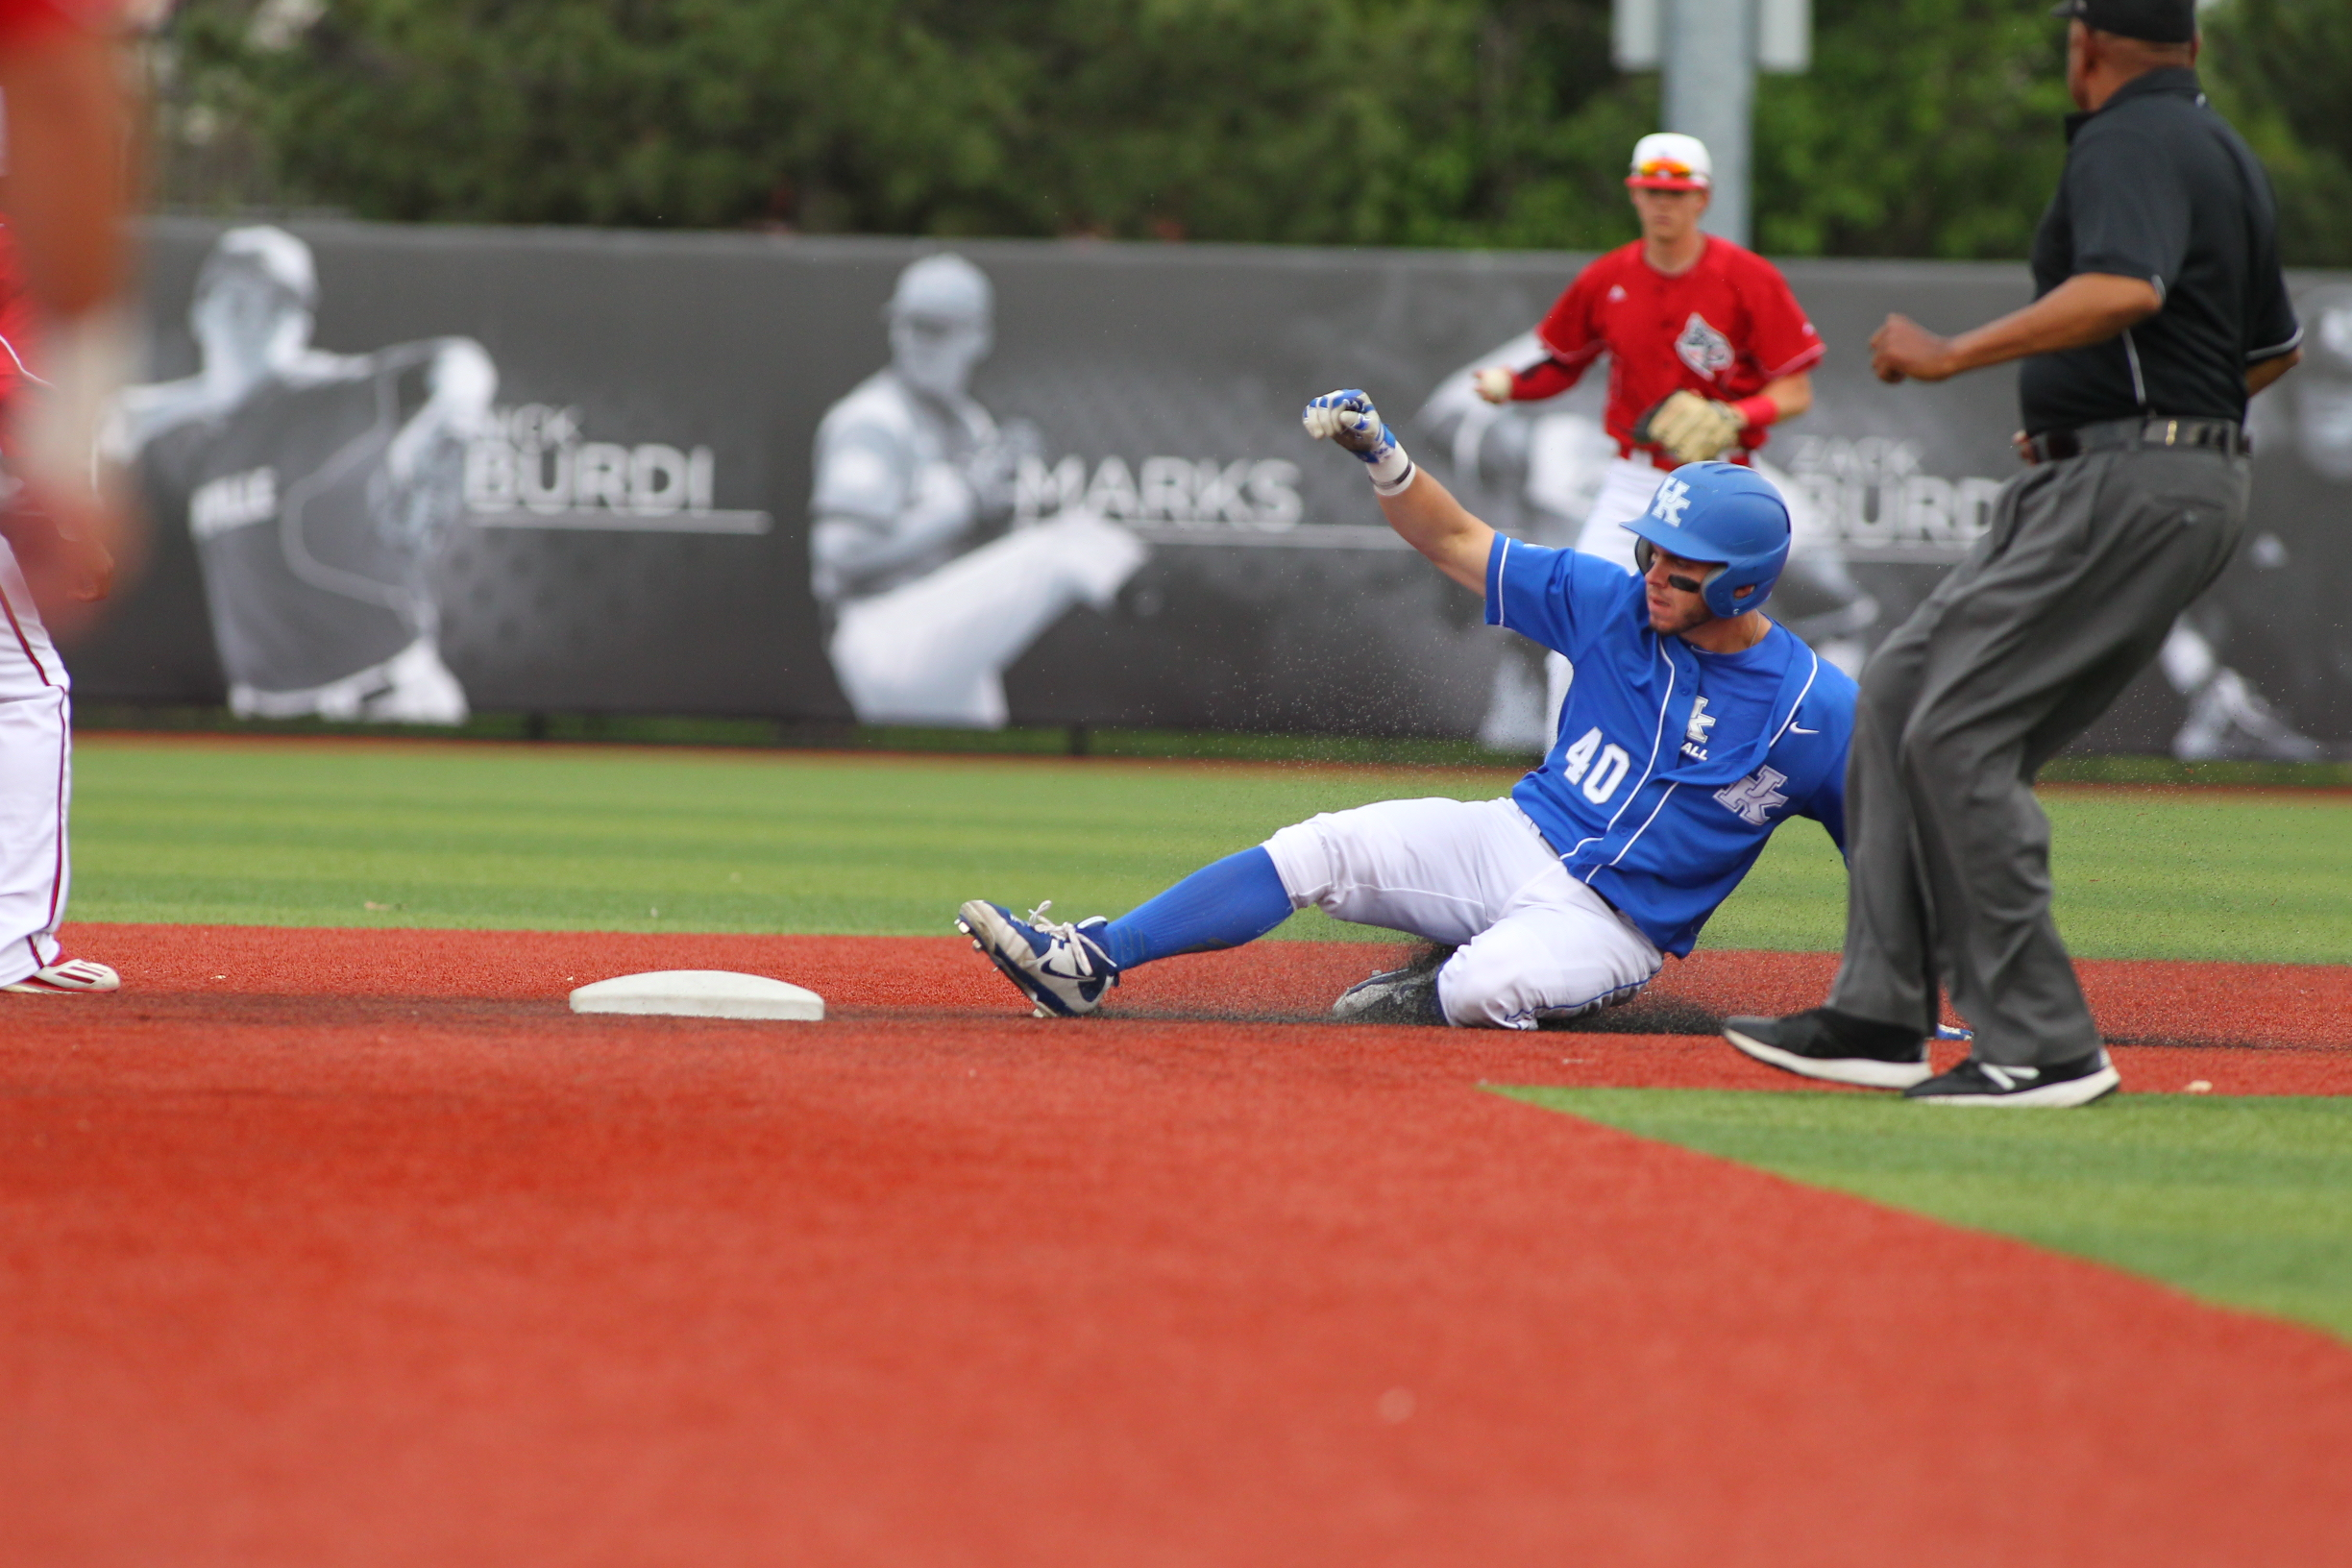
column 700, row 994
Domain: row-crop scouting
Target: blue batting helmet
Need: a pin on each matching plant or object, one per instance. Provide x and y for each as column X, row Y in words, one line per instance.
column 1719, row 512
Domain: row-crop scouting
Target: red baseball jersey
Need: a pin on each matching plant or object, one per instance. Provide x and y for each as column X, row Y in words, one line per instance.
column 1723, row 329
column 26, row 19
column 16, row 320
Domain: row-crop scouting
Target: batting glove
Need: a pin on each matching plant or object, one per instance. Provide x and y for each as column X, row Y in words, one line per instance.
column 1349, row 420
column 1689, row 428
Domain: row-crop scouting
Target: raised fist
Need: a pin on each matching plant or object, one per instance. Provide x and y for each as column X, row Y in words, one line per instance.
column 1349, row 420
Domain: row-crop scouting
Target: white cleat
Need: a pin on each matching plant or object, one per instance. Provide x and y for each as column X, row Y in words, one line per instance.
column 67, row 978
column 1061, row 968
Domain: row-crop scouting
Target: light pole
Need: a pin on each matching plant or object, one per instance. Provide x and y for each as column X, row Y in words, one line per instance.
column 1709, row 52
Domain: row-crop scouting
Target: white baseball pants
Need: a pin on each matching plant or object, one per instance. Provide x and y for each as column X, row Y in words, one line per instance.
column 1625, row 492
column 411, row 686
column 35, row 780
column 935, row 651
column 1533, row 941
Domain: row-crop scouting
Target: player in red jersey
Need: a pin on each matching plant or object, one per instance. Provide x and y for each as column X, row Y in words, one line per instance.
column 1707, row 347
column 67, row 187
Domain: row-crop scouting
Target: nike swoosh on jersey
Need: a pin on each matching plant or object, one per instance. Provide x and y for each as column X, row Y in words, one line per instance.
column 1801, row 730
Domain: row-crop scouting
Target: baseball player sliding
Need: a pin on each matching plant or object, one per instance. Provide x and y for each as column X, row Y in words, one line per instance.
column 1696, row 727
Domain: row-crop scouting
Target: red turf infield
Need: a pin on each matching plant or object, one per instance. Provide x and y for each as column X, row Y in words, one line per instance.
column 370, row 1253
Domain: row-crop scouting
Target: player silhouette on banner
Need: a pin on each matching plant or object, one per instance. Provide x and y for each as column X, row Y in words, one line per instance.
column 1695, row 728
column 318, row 488
column 2227, row 715
column 928, row 597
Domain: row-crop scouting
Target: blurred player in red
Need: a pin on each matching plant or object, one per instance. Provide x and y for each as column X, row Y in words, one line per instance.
column 1708, row 347
column 61, row 273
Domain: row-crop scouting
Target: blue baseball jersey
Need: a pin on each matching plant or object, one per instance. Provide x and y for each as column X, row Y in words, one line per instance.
column 1672, row 765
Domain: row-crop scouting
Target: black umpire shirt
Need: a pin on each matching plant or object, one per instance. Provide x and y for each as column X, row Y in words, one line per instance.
column 2157, row 185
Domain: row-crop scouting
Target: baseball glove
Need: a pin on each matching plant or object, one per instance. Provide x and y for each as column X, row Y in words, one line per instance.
column 1689, row 428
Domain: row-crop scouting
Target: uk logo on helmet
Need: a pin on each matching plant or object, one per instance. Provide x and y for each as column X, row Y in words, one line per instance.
column 1672, row 500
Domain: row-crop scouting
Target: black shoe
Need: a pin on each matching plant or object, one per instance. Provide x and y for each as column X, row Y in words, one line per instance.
column 1405, row 995
column 2078, row 1082
column 1838, row 1047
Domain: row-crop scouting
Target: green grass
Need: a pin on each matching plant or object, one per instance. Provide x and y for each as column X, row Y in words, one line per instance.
column 2246, row 1201
column 565, row 838
column 828, row 735
column 1059, row 740
column 570, row 838
column 2141, row 872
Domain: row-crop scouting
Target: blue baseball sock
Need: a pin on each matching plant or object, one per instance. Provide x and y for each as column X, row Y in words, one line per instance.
column 1223, row 904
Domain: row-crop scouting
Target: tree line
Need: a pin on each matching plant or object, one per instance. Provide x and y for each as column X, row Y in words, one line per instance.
column 1927, row 128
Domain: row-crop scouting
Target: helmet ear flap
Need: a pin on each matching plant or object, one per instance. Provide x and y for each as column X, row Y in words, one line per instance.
column 1722, row 597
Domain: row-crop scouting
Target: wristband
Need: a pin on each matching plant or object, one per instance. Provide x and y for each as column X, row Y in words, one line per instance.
column 1393, row 472
column 1757, row 412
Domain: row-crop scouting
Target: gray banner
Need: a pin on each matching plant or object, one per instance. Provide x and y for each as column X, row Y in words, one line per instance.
column 398, row 473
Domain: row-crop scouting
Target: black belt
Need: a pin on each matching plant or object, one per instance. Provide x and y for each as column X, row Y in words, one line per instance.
column 2223, row 435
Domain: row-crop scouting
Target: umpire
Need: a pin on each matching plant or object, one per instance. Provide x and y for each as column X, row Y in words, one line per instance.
column 2158, row 310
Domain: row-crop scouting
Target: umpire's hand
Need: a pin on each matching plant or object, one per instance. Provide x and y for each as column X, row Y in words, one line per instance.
column 1903, row 349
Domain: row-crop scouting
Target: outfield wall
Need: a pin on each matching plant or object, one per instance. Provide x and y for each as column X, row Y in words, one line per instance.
column 623, row 522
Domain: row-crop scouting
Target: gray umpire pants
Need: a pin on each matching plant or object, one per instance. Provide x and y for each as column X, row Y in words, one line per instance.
column 2068, row 596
